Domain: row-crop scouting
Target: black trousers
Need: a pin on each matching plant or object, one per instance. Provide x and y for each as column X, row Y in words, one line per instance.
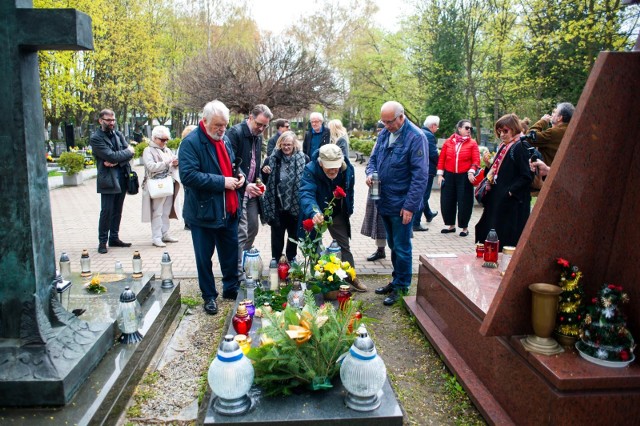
column 288, row 224
column 456, row 192
column 111, row 213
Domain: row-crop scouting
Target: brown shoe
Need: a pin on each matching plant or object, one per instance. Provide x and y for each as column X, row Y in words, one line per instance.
column 358, row 286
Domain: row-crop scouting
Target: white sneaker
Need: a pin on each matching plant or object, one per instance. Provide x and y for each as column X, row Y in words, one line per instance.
column 158, row 243
column 169, row 239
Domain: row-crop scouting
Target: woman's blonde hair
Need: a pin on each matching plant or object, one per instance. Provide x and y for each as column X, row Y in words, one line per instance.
column 288, row 135
column 336, row 130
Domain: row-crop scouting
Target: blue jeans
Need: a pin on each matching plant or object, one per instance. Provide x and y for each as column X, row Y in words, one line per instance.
column 417, row 216
column 205, row 241
column 399, row 241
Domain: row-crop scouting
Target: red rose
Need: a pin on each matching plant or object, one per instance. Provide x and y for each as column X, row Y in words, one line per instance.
column 573, row 275
column 563, row 262
column 611, row 287
column 339, row 193
column 624, row 355
column 307, row 224
column 284, row 305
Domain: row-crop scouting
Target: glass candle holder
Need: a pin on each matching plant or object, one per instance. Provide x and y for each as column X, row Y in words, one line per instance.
column 344, row 295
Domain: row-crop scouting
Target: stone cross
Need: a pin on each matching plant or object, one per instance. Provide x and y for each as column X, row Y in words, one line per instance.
column 30, row 320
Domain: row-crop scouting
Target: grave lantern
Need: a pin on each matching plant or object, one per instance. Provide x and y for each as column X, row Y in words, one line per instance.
column 230, row 377
column 137, row 265
column 166, row 271
column 65, row 265
column 129, row 317
column 363, row 374
column 85, row 264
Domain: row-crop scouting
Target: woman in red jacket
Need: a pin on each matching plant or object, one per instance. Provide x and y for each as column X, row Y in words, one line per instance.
column 457, row 165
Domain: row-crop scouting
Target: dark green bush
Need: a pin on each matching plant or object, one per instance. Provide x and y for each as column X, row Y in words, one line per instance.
column 71, row 162
column 140, row 149
column 173, row 144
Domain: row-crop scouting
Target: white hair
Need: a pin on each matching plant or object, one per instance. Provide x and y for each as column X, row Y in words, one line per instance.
column 160, row 132
column 431, row 120
column 397, row 107
column 316, row 115
column 215, row 109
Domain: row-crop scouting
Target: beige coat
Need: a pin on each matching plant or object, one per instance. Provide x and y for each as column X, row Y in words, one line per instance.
column 157, row 161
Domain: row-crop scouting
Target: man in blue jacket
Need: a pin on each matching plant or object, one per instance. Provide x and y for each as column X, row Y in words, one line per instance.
column 328, row 170
column 212, row 205
column 400, row 158
column 430, row 127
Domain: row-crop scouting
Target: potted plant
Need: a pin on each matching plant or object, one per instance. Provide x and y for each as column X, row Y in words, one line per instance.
column 72, row 164
column 139, row 149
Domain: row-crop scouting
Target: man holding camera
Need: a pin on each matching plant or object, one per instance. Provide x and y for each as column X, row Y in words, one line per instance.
column 550, row 129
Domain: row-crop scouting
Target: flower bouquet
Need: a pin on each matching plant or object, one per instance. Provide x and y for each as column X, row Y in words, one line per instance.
column 300, row 347
column 94, row 286
column 329, row 274
column 310, row 244
column 276, row 299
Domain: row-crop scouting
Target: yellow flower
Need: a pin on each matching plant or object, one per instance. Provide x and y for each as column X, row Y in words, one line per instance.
column 317, row 268
column 333, row 258
column 352, row 273
column 331, row 268
column 330, row 278
column 345, row 265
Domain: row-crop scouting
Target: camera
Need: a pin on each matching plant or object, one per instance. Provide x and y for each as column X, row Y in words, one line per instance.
column 531, row 137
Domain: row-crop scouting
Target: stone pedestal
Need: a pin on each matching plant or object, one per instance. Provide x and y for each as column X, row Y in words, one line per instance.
column 508, row 384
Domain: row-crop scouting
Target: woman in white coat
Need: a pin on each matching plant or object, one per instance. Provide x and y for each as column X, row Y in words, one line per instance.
column 159, row 161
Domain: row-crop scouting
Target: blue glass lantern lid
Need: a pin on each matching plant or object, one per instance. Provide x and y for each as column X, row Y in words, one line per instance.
column 127, row 295
column 165, row 257
column 253, row 252
column 64, row 257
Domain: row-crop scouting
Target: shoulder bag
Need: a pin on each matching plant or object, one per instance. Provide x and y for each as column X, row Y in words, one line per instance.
column 481, row 190
column 132, row 182
column 160, row 187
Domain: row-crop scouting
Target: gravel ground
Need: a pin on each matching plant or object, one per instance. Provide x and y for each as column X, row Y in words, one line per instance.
column 170, row 390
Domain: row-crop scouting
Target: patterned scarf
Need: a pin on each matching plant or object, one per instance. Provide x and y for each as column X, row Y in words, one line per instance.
column 502, row 151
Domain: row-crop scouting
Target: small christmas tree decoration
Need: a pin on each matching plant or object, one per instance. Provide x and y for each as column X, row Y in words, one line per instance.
column 604, row 338
column 570, row 305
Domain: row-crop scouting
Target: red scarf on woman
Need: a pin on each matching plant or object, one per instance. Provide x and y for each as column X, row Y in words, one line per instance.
column 230, row 196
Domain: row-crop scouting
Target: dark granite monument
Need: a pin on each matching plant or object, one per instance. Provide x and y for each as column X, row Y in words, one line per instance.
column 48, row 354
column 587, row 212
column 45, row 351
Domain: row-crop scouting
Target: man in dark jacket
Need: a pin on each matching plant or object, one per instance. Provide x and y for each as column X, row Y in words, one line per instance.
column 400, row 158
column 319, row 181
column 212, row 202
column 246, row 141
column 318, row 136
column 112, row 153
column 430, row 127
column 282, row 126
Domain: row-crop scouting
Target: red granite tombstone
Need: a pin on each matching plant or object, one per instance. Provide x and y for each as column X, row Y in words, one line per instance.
column 587, row 212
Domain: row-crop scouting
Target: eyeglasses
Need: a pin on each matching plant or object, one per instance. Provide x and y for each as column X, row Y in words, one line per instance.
column 261, row 125
column 504, row 131
column 467, row 127
column 109, row 120
column 163, row 139
column 390, row 122
column 286, row 126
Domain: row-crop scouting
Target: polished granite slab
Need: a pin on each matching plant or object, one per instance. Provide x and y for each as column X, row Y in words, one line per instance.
column 104, row 395
column 507, row 384
column 325, row 407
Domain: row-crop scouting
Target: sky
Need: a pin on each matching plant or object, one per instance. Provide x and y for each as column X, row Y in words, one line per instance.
column 275, row 15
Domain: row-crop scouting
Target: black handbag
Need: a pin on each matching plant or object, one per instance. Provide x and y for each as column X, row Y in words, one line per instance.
column 482, row 189
column 133, row 185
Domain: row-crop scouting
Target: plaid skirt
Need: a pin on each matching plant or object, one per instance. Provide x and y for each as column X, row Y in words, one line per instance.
column 372, row 225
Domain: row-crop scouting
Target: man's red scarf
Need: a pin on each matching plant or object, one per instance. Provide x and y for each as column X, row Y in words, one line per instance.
column 231, row 197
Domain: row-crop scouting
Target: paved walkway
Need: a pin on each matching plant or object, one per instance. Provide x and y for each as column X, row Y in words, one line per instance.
column 75, row 212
